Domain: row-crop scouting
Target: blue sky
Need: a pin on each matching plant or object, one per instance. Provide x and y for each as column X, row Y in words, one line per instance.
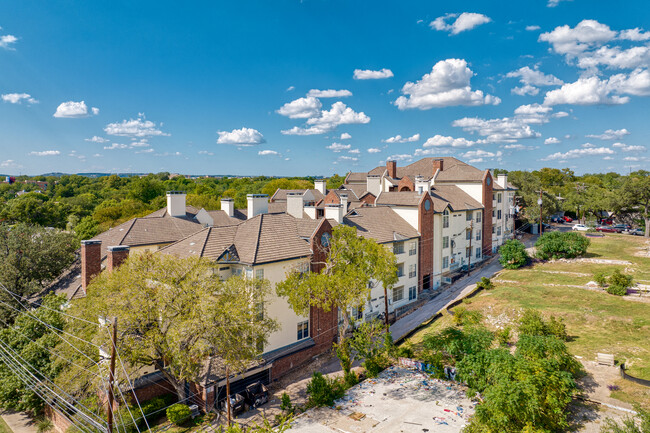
column 322, row 86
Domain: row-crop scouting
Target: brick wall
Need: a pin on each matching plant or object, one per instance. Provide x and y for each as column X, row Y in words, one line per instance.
column 115, row 256
column 368, row 199
column 425, row 256
column 91, row 261
column 405, row 184
column 331, row 198
column 488, row 183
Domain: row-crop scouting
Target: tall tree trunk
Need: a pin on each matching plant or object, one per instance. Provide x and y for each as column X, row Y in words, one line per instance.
column 178, row 384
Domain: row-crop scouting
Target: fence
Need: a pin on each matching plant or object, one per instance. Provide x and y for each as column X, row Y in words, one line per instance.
column 626, row 376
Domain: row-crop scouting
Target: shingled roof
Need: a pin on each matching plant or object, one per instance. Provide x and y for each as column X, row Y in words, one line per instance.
column 381, row 223
column 456, row 197
column 262, row 239
column 281, row 194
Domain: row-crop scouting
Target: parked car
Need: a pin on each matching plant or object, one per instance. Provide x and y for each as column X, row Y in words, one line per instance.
column 557, row 220
column 567, row 219
column 621, row 228
column 256, row 394
column 237, row 404
column 580, row 228
column 606, row 221
column 637, row 232
column 606, row 229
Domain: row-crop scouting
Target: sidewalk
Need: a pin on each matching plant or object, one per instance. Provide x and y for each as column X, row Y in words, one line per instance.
column 460, row 288
column 19, row 422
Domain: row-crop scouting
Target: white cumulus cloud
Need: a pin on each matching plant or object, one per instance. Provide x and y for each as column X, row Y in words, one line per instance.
column 504, row 130
column 446, row 141
column 463, row 22
column 368, row 74
column 7, row 41
column 96, row 139
column 115, row 146
column 531, row 79
column 584, row 36
column 74, row 110
column 374, row 150
column 554, row 3
column 345, row 136
column 338, row 147
column 301, row 108
column 532, row 28
column 399, row 139
column 17, row 98
column 339, row 114
column 329, row 93
column 552, row 140
column 139, row 127
column 448, row 84
column 585, row 91
column 578, row 153
column 611, row 134
column 45, row 153
column 241, row 137
column 268, row 153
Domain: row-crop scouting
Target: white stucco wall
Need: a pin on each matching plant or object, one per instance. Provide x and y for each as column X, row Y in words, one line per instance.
column 409, row 214
column 475, row 190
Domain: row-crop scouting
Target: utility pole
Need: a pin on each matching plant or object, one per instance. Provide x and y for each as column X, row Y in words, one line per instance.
column 471, row 234
column 539, row 202
column 228, row 395
column 111, row 377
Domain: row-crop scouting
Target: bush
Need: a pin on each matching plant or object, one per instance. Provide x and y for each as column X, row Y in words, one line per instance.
column 178, row 413
column 44, row 425
column 556, row 245
column 513, row 254
column 285, row 404
column 557, row 328
column 532, row 323
column 503, row 336
column 322, row 391
column 350, row 378
column 600, row 277
column 619, row 283
column 485, row 284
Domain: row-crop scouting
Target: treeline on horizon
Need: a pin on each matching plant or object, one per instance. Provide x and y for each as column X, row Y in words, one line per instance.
column 87, row 206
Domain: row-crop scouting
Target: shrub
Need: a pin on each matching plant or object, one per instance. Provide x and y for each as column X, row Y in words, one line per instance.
column 44, row 425
column 532, row 323
column 619, row 283
column 513, row 254
column 600, row 277
column 285, row 404
column 178, row 413
column 350, row 378
column 503, row 336
column 465, row 317
column 556, row 245
column 557, row 328
column 322, row 391
column 485, row 284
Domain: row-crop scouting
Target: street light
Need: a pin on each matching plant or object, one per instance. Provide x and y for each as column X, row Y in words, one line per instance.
column 539, row 202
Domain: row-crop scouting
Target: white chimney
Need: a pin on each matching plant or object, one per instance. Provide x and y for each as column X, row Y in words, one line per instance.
column 295, row 205
column 344, row 200
column 421, row 184
column 257, row 204
column 502, row 180
column 321, row 185
column 335, row 212
column 228, row 206
column 373, row 184
column 310, row 211
column 176, row 203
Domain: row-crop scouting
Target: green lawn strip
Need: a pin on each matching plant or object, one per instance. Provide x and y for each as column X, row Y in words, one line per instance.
column 538, row 275
column 4, row 428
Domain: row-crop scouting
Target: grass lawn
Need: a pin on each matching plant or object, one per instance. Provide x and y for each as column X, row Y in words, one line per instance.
column 4, row 428
column 596, row 321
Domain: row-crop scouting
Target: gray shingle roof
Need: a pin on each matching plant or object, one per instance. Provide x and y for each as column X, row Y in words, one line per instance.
column 381, row 223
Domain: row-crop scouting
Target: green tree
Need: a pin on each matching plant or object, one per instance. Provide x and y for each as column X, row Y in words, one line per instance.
column 174, row 314
column 31, row 257
column 636, row 195
column 352, row 262
column 513, row 254
column 555, row 245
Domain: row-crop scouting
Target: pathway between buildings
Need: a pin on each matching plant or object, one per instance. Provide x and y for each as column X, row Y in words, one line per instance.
column 457, row 290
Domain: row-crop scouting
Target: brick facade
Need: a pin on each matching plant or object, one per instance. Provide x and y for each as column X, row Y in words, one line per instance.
column 405, row 184
column 425, row 228
column 368, row 199
column 488, row 183
column 91, row 261
column 116, row 256
column 391, row 168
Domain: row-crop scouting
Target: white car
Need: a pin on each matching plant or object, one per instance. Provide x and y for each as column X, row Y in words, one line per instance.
column 580, row 227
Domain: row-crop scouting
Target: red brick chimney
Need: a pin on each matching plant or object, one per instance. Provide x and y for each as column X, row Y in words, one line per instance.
column 437, row 165
column 115, row 256
column 91, row 261
column 391, row 166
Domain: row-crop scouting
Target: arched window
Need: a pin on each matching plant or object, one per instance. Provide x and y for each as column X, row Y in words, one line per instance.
column 445, row 219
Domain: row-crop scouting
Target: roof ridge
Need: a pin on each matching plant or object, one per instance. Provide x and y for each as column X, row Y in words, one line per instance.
column 205, row 241
column 128, row 231
column 257, row 243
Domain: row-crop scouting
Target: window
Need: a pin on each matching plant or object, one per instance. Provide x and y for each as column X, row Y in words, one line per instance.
column 468, row 234
column 492, row 229
column 259, row 274
column 398, row 294
column 249, row 273
column 259, row 311
column 400, row 270
column 468, row 252
column 498, row 231
column 499, row 214
column 445, row 242
column 493, row 213
column 493, row 197
column 499, row 198
column 478, row 217
column 468, row 216
column 303, row 330
column 478, row 234
column 445, row 219
column 413, row 248
column 478, row 253
column 398, row 248
column 237, row 271
column 445, row 262
column 413, row 270
column 413, row 293
column 357, row 313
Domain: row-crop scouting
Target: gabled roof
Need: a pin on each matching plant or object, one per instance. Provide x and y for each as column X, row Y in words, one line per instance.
column 262, row 239
column 453, row 170
column 353, row 177
column 357, row 189
column 382, row 224
column 221, row 218
column 281, row 194
column 396, row 198
column 456, row 197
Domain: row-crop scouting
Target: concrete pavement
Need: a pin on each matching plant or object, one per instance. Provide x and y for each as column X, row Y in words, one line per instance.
column 19, row 422
column 457, row 290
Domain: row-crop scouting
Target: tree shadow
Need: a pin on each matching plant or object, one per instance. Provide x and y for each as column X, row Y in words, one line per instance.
column 581, row 412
